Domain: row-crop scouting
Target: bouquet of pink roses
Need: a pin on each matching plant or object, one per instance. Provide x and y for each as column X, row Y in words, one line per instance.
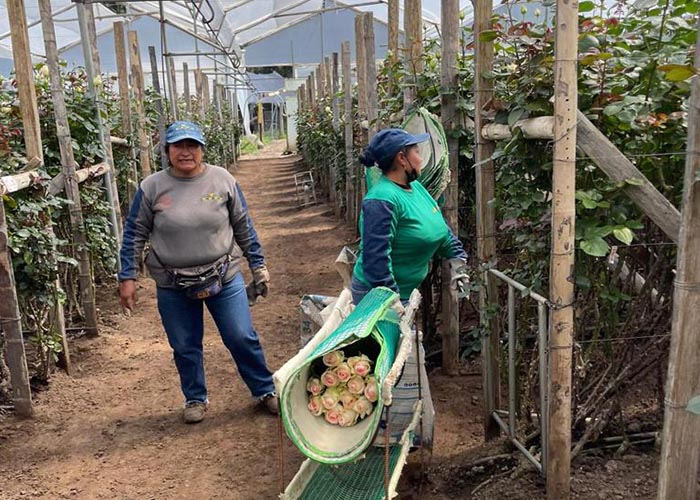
column 346, row 392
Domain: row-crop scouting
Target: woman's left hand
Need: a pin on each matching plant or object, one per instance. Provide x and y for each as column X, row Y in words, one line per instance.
column 261, row 277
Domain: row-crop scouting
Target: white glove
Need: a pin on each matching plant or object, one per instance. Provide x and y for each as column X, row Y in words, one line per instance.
column 459, row 279
column 261, row 278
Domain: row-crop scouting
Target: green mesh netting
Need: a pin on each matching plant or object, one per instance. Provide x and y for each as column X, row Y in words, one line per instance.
column 372, row 329
column 362, row 480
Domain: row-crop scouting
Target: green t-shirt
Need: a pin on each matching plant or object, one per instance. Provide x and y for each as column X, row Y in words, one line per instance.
column 401, row 232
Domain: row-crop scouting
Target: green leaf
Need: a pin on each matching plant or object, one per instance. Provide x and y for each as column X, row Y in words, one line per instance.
column 612, row 109
column 679, row 74
column 514, row 116
column 587, row 42
column 634, row 181
column 488, row 35
column 694, row 405
column 586, row 6
column 597, row 247
column 624, row 234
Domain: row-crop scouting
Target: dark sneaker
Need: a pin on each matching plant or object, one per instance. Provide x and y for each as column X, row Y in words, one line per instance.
column 270, row 403
column 194, row 412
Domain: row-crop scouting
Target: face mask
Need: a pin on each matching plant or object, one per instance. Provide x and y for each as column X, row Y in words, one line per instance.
column 411, row 175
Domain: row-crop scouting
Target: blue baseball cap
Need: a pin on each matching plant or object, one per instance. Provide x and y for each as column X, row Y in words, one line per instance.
column 387, row 143
column 181, row 130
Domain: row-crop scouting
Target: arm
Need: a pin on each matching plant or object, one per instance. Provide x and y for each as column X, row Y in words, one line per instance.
column 451, row 248
column 243, row 230
column 378, row 230
column 137, row 230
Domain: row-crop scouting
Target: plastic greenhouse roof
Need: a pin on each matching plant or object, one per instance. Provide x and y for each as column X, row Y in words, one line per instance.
column 229, row 25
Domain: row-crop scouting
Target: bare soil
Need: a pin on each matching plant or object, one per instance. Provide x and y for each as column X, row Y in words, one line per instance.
column 112, row 430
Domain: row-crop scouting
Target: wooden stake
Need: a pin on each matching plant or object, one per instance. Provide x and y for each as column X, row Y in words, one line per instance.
column 125, row 106
column 186, row 90
column 486, row 219
column 449, row 114
column 361, row 67
column 562, row 259
column 370, row 72
column 413, row 32
column 139, row 105
column 680, row 454
column 173, row 88
column 85, row 279
column 159, row 106
column 347, row 120
column 393, row 40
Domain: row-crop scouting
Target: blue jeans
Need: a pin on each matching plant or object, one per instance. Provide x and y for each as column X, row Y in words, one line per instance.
column 183, row 320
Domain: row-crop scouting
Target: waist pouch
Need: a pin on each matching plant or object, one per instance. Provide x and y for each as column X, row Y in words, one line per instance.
column 205, row 285
column 199, row 283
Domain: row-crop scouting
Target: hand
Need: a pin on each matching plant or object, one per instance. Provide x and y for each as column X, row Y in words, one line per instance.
column 252, row 293
column 261, row 278
column 127, row 295
column 459, row 279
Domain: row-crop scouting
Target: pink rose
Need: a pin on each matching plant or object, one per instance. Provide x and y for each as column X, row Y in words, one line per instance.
column 343, row 372
column 333, row 358
column 347, row 398
column 315, row 406
column 371, row 389
column 347, row 418
column 362, row 368
column 363, row 407
column 329, row 378
column 330, row 398
column 356, row 385
column 352, row 360
column 333, row 415
column 314, row 386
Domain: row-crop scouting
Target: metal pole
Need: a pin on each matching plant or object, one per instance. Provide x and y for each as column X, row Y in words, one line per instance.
column 511, row 361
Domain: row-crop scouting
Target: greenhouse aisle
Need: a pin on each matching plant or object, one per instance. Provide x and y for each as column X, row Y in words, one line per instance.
column 113, row 430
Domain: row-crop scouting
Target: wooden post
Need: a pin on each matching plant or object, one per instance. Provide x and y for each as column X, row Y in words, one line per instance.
column 335, row 87
column 205, row 93
column 173, row 88
column 321, row 80
column 680, row 454
column 312, row 90
column 486, row 218
column 159, row 107
column 360, row 67
column 186, row 90
column 88, row 34
column 328, row 69
column 347, row 121
column 200, row 92
column 85, row 280
column 370, row 72
column 10, row 320
column 125, row 106
column 393, row 27
column 449, row 114
column 139, row 106
column 562, row 259
column 413, row 32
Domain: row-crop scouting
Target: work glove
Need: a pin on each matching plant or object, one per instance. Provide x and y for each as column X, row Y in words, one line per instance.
column 251, row 293
column 459, row 279
column 261, row 279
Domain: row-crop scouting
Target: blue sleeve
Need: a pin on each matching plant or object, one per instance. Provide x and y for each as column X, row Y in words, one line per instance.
column 451, row 247
column 244, row 231
column 137, row 230
column 378, row 229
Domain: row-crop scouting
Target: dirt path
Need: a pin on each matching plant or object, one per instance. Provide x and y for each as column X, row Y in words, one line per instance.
column 113, row 430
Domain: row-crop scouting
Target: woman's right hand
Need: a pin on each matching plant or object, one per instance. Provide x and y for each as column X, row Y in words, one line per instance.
column 127, row 295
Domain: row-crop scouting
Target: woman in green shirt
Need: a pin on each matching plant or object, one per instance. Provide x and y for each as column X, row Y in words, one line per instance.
column 401, row 225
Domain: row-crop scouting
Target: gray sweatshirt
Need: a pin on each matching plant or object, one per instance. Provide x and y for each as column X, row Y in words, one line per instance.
column 190, row 223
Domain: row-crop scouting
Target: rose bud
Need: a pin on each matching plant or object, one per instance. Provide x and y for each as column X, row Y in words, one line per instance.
column 329, row 378
column 343, row 372
column 347, row 418
column 363, row 407
column 315, row 406
column 362, row 368
column 347, row 398
column 356, row 385
column 314, row 386
column 333, row 415
column 371, row 389
column 330, row 398
column 333, row 358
